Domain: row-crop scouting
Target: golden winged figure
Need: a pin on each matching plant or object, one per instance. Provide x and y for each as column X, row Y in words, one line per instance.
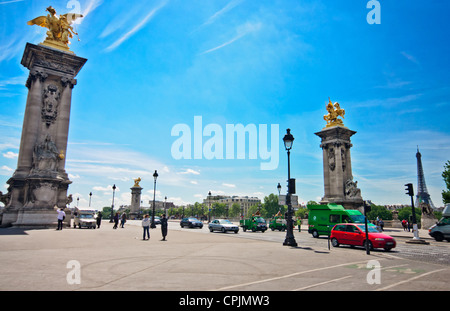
column 334, row 111
column 59, row 28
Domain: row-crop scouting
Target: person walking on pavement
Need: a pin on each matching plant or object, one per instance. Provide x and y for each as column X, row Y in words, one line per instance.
column 61, row 217
column 116, row 220
column 146, row 227
column 164, row 227
column 123, row 220
column 99, row 219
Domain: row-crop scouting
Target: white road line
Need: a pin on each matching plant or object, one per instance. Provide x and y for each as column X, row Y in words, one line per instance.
column 409, row 280
column 289, row 275
column 322, row 283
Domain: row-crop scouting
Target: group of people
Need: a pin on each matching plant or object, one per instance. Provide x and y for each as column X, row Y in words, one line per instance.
column 406, row 225
column 146, row 222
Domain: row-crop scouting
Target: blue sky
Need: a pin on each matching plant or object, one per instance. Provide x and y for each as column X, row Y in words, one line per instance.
column 155, row 64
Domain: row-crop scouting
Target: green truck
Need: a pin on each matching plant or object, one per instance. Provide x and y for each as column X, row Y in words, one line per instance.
column 278, row 223
column 322, row 218
column 254, row 223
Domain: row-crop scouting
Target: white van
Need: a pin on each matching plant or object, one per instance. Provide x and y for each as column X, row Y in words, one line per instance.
column 85, row 218
column 441, row 230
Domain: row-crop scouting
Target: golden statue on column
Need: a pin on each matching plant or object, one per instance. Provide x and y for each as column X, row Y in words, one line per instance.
column 334, row 111
column 59, row 28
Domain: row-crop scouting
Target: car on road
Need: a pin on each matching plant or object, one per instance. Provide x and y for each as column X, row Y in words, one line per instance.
column 85, row 218
column 157, row 220
column 441, row 230
column 191, row 222
column 222, row 225
column 355, row 235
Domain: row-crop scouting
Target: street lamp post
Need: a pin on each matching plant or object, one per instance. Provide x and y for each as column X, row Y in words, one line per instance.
column 209, row 211
column 112, row 205
column 90, row 196
column 155, row 176
column 290, row 239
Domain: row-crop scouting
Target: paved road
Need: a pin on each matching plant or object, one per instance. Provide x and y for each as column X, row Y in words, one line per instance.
column 197, row 260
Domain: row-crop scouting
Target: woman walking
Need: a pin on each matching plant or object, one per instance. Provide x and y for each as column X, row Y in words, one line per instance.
column 146, row 227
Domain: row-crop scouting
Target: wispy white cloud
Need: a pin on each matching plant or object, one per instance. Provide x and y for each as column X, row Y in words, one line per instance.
column 190, row 171
column 232, row 4
column 241, row 32
column 410, row 57
column 136, row 28
column 11, row 1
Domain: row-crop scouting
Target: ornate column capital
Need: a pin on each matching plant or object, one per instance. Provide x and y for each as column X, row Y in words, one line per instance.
column 35, row 74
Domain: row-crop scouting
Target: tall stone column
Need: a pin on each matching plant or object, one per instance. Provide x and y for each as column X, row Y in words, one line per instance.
column 135, row 207
column 337, row 168
column 39, row 184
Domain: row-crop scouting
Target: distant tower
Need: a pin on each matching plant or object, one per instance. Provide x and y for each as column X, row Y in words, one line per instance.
column 422, row 192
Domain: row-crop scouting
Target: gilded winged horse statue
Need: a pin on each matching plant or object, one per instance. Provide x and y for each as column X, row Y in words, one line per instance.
column 59, row 28
column 334, row 111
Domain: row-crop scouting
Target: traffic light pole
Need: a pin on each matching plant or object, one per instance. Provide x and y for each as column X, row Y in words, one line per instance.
column 415, row 239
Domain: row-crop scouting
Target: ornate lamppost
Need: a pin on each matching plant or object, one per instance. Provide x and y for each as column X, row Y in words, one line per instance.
column 112, row 205
column 290, row 239
column 155, row 176
column 209, row 211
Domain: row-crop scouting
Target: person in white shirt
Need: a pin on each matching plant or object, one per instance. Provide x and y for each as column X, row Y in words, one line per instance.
column 146, row 226
column 61, row 217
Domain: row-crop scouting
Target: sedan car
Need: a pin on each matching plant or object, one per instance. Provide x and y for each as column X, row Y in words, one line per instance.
column 354, row 235
column 222, row 225
column 191, row 222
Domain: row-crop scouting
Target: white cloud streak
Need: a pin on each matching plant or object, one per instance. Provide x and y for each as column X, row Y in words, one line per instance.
column 136, row 28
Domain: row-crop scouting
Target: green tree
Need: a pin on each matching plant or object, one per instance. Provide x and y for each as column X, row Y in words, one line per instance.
column 446, row 176
column 235, row 210
column 406, row 213
column 379, row 211
column 270, row 206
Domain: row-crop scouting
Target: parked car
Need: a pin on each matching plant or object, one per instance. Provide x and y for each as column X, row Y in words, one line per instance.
column 355, row 235
column 222, row 225
column 191, row 222
column 157, row 220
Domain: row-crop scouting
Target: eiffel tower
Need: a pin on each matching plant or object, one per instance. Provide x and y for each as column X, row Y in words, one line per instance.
column 422, row 192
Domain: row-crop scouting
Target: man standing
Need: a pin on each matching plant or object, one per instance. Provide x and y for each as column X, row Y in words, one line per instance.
column 61, row 217
column 99, row 219
column 164, row 227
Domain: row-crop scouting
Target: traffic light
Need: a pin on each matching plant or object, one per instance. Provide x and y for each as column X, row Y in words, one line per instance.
column 409, row 189
column 291, row 185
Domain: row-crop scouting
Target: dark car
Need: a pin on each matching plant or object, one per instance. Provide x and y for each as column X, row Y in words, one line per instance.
column 191, row 222
column 222, row 225
column 355, row 235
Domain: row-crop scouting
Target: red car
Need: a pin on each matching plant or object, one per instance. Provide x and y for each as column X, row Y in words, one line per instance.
column 354, row 234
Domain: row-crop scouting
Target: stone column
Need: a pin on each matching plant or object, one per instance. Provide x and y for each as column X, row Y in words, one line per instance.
column 337, row 169
column 135, row 206
column 40, row 183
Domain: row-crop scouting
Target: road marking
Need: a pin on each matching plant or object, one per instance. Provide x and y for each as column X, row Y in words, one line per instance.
column 409, row 280
column 322, row 283
column 289, row 275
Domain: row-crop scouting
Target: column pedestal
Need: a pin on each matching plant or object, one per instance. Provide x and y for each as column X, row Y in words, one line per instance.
column 339, row 186
column 39, row 185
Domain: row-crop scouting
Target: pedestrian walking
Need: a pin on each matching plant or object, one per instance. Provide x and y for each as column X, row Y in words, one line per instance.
column 123, row 220
column 381, row 222
column 61, row 217
column 404, row 224
column 116, row 220
column 99, row 219
column 146, row 227
column 164, row 227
